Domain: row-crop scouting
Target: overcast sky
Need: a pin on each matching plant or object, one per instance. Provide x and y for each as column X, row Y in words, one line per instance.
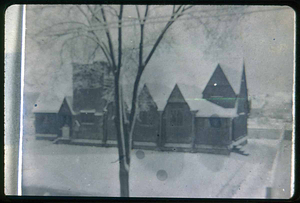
column 263, row 37
column 266, row 42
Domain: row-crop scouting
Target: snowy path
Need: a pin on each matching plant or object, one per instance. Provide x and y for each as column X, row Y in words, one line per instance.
column 81, row 170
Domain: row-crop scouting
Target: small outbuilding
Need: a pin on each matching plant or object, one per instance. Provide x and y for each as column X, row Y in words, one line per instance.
column 51, row 114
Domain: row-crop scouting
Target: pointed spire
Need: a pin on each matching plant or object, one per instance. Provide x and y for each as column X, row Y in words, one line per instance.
column 244, row 70
column 243, row 95
column 243, row 75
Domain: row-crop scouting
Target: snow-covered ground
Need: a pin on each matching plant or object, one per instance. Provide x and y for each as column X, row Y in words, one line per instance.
column 51, row 169
column 269, row 123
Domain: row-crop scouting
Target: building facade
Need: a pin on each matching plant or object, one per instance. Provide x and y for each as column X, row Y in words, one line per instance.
column 182, row 118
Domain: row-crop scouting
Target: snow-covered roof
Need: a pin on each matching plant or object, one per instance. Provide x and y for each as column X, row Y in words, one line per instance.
column 88, row 111
column 52, row 104
column 193, row 96
column 160, row 94
column 48, row 104
column 208, row 109
column 99, row 114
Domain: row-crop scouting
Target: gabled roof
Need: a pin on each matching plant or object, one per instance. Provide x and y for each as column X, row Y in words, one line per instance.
column 145, row 99
column 176, row 96
column 48, row 104
column 193, row 96
column 233, row 69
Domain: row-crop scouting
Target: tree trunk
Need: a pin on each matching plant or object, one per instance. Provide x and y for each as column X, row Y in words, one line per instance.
column 121, row 138
column 124, row 179
column 124, row 167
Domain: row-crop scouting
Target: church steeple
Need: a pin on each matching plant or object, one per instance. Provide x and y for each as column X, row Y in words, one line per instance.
column 243, row 104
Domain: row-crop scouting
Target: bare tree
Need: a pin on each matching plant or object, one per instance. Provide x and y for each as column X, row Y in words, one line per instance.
column 124, row 125
column 111, row 32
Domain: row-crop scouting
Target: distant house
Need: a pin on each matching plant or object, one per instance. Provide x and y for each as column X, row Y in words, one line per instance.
column 51, row 114
column 184, row 118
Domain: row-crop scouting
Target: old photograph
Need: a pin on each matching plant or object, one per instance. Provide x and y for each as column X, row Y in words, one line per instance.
column 180, row 101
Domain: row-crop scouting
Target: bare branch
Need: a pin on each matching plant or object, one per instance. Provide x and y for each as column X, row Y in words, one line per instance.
column 120, row 37
column 98, row 41
column 138, row 13
column 143, row 65
column 139, row 73
column 94, row 52
column 142, row 21
column 146, row 12
column 62, row 48
column 141, row 47
column 93, row 32
column 142, row 38
column 87, row 18
column 94, row 15
column 102, row 47
column 69, row 22
column 170, row 22
column 187, row 7
column 109, row 39
column 114, row 11
column 57, row 34
column 158, row 41
column 63, row 32
column 177, row 10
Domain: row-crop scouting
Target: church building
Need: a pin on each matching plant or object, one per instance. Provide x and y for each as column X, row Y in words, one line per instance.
column 182, row 118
